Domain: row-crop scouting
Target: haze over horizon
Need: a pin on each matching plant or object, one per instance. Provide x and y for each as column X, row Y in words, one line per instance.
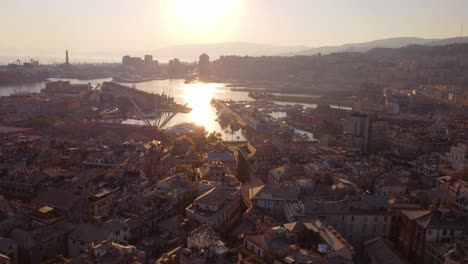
column 87, row 26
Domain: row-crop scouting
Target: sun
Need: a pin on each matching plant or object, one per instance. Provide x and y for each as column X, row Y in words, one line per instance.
column 205, row 13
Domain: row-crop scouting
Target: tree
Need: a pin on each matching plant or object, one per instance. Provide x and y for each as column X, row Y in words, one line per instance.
column 212, row 137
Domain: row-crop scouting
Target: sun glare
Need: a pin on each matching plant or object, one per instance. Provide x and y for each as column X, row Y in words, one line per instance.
column 195, row 13
column 198, row 97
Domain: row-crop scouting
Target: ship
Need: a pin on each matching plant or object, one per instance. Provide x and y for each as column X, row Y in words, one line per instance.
column 191, row 78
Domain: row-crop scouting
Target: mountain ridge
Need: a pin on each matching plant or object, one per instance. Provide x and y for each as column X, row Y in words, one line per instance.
column 190, row 52
column 214, row 50
column 397, row 42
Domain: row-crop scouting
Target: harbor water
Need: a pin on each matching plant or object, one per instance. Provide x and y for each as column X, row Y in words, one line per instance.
column 196, row 95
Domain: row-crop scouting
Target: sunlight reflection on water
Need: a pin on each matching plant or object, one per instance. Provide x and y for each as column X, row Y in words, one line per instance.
column 198, row 97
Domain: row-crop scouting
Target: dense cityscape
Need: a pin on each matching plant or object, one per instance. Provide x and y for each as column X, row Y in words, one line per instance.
column 342, row 157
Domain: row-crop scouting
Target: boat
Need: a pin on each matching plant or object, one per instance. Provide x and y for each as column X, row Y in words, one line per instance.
column 191, row 78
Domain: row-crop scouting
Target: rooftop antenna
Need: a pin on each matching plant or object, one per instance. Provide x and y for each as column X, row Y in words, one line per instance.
column 461, row 34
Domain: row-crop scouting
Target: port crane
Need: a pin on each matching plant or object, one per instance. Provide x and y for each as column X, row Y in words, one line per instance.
column 161, row 116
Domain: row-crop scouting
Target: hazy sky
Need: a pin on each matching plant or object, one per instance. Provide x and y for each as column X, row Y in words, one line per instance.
column 50, row 26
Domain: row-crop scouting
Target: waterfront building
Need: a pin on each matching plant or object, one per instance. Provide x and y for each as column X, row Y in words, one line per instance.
column 139, row 65
column 203, row 65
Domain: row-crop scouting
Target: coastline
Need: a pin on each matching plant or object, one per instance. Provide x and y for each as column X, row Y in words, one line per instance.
column 307, row 100
column 287, row 94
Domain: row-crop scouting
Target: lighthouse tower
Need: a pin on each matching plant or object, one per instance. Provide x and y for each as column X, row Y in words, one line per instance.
column 67, row 62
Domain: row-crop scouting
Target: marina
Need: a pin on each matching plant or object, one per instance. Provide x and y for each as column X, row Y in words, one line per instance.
column 197, row 96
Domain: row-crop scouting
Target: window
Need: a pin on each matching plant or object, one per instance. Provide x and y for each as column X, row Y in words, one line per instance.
column 444, row 232
column 258, row 252
column 374, row 228
column 364, row 227
column 351, row 228
column 452, row 232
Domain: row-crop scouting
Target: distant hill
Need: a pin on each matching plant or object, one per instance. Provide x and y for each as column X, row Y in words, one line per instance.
column 190, row 52
column 442, row 42
column 404, row 67
column 381, row 43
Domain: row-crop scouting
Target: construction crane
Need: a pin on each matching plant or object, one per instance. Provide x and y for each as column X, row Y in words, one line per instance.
column 15, row 64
